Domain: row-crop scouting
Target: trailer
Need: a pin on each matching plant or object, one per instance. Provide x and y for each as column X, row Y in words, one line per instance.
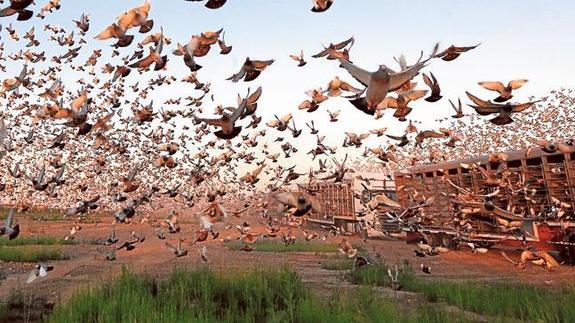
column 542, row 180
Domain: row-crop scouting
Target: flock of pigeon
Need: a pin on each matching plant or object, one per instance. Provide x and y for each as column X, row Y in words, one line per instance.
column 108, row 146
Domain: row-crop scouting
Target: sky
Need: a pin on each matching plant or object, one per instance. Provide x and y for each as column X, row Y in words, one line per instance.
column 528, row 39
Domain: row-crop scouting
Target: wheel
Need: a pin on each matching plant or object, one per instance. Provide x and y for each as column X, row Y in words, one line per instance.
column 567, row 253
column 485, row 244
column 436, row 239
column 447, row 241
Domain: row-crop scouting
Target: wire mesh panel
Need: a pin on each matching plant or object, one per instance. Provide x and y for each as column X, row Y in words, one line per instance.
column 535, row 180
column 570, row 169
column 528, row 181
column 442, row 200
column 466, row 180
column 403, row 184
column 335, row 200
column 544, row 175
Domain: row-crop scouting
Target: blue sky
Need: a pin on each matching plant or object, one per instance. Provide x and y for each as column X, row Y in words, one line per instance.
column 527, row 39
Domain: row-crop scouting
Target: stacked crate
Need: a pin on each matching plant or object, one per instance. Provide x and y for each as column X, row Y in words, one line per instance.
column 517, row 171
column 335, row 199
column 535, row 179
column 557, row 179
column 570, row 165
column 550, row 175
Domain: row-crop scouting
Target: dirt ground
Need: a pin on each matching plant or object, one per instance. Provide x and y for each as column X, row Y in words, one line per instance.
column 87, row 266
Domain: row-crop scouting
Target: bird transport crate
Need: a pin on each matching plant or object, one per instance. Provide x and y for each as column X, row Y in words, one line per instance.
column 336, row 201
column 342, row 203
column 516, row 198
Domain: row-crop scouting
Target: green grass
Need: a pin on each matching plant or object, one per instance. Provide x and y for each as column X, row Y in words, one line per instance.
column 255, row 296
column 363, row 305
column 366, row 305
column 46, row 241
column 35, row 213
column 514, row 300
column 279, row 246
column 31, row 254
column 337, row 264
column 51, row 214
column 373, row 275
column 498, row 300
column 20, row 306
column 188, row 296
column 4, row 312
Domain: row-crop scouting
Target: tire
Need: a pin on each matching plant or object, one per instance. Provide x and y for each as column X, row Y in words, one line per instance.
column 442, row 240
column 447, row 241
column 436, row 239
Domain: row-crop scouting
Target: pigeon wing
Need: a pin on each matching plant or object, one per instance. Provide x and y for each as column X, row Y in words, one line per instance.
column 358, row 73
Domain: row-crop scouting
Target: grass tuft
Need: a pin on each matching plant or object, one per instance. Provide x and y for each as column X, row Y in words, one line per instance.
column 337, row 264
column 39, row 240
column 279, row 246
column 188, row 296
column 203, row 296
column 51, row 214
column 515, row 300
column 374, row 274
column 498, row 300
column 35, row 213
column 31, row 254
column 4, row 313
